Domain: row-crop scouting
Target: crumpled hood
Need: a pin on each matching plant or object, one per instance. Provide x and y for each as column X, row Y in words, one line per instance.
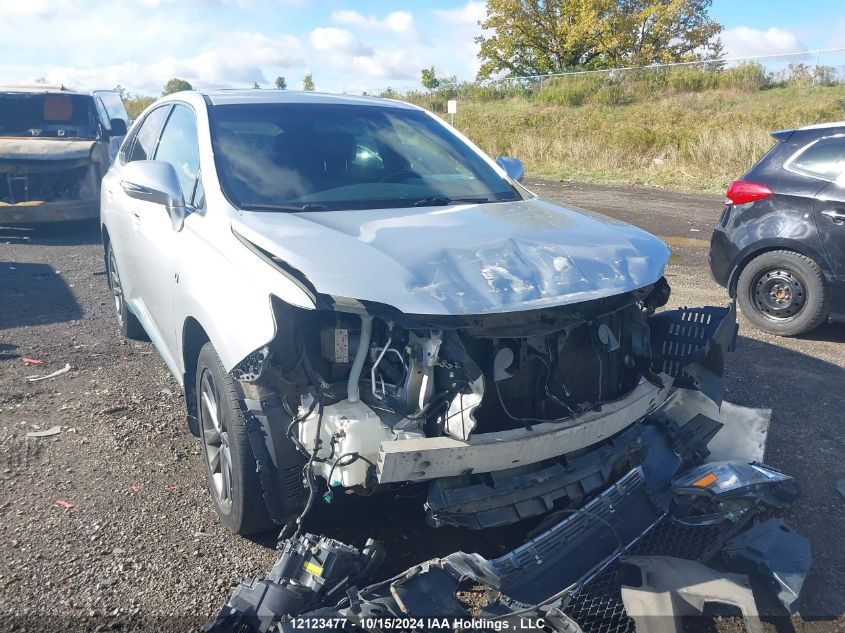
column 44, row 149
column 464, row 259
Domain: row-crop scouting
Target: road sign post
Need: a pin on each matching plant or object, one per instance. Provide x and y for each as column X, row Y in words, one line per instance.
column 451, row 109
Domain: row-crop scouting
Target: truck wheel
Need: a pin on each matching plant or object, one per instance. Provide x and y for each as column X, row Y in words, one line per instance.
column 229, row 463
column 783, row 292
column 130, row 326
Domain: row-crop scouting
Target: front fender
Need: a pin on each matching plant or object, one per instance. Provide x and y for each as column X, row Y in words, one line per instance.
column 228, row 291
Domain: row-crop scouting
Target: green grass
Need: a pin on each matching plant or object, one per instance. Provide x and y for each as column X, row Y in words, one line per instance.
column 687, row 134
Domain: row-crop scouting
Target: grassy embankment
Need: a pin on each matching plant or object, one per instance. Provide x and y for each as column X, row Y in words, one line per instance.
column 696, row 131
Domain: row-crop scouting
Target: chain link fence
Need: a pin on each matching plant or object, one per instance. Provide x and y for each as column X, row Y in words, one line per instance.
column 620, row 86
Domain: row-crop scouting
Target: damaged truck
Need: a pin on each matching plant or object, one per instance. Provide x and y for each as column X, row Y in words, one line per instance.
column 55, row 146
column 356, row 299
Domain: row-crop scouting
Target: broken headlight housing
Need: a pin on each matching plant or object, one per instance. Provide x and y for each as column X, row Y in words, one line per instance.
column 712, row 493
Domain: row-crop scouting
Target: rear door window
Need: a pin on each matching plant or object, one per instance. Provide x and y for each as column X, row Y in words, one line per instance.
column 824, row 159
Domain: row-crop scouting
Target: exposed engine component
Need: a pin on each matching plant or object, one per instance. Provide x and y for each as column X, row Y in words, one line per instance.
column 310, row 570
column 357, row 382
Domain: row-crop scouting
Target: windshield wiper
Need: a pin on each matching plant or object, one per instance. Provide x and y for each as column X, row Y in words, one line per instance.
column 439, row 201
column 307, row 206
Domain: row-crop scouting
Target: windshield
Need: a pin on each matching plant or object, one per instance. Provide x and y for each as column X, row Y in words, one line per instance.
column 50, row 115
column 294, row 156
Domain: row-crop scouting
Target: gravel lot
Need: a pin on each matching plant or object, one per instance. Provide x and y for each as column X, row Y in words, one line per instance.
column 141, row 538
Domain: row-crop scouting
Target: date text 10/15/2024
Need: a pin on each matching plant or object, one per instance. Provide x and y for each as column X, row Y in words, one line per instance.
column 420, row 624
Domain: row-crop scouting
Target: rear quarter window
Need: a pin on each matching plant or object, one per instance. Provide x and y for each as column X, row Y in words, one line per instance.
column 823, row 159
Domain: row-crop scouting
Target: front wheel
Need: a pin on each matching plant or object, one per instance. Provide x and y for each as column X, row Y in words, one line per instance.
column 229, row 462
column 783, row 292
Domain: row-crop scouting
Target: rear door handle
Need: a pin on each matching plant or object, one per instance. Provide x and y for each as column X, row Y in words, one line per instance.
column 836, row 215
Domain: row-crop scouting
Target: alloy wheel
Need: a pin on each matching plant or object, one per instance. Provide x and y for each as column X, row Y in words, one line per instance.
column 215, row 435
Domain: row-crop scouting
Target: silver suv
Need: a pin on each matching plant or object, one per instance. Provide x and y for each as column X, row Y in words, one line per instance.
column 354, row 297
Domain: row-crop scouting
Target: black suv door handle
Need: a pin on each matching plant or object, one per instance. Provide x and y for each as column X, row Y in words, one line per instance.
column 836, row 215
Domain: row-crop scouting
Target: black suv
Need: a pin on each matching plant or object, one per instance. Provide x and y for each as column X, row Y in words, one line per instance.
column 779, row 247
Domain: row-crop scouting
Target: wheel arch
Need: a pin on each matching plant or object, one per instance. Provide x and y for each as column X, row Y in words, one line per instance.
column 194, row 337
column 106, row 239
column 767, row 246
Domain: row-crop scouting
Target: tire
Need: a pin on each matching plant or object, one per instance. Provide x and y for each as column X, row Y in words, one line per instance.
column 783, row 292
column 229, row 463
column 129, row 324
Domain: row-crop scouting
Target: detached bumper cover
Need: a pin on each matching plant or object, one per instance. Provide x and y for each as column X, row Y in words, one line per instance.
column 570, row 577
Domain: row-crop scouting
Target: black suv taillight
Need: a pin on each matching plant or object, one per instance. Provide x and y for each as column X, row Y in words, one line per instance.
column 742, row 191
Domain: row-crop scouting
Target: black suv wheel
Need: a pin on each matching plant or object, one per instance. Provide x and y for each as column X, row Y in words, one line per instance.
column 783, row 292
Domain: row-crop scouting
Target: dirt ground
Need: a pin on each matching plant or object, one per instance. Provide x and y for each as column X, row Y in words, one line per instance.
column 111, row 518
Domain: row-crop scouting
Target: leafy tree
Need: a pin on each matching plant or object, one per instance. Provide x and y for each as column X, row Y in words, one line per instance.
column 535, row 37
column 429, row 79
column 281, row 84
column 175, row 85
column 256, row 85
column 308, row 83
column 389, row 93
column 122, row 92
column 136, row 104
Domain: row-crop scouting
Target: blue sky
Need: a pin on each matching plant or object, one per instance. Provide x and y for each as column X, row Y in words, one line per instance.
column 348, row 46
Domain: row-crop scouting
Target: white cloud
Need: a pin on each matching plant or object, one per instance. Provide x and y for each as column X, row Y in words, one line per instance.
column 140, row 44
column 33, row 8
column 236, row 59
column 470, row 14
column 351, row 18
column 744, row 41
column 461, row 26
column 242, row 4
column 337, row 41
column 399, row 22
column 394, row 65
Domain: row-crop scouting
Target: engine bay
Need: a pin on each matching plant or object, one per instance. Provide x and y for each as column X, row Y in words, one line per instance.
column 353, row 383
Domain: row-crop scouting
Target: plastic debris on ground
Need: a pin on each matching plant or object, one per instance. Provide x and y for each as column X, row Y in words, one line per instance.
column 55, row 374
column 53, row 430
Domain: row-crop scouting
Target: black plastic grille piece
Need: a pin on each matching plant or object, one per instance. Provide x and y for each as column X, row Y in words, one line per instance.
column 597, row 605
column 680, row 337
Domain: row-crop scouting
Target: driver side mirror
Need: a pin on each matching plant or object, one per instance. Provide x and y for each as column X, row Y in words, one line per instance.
column 513, row 167
column 156, row 181
column 118, row 127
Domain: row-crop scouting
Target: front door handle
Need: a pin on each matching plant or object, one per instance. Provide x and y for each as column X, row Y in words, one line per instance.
column 836, row 215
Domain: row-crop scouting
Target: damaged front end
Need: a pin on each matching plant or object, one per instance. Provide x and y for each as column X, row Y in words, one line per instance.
column 50, row 180
column 595, row 418
column 615, row 428
column 502, row 417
